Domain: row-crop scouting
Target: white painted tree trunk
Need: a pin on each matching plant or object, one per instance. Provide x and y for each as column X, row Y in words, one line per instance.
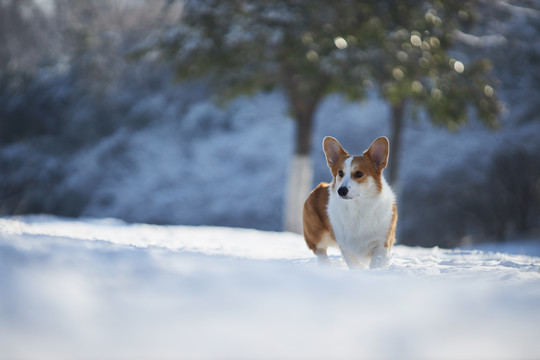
column 298, row 189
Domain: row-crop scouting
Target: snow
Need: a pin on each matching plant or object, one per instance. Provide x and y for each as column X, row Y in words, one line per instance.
column 103, row 288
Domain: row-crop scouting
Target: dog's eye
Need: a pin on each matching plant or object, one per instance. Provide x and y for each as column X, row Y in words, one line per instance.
column 341, row 173
column 358, row 174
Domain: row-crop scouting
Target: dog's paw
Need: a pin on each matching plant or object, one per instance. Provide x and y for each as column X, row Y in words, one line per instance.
column 378, row 261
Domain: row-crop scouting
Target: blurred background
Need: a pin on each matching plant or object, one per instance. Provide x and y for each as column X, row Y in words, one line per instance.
column 205, row 112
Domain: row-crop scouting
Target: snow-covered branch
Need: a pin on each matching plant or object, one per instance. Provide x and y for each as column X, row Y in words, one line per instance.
column 518, row 10
column 480, row 41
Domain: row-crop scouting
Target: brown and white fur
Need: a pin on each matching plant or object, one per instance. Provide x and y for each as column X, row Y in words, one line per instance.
column 357, row 211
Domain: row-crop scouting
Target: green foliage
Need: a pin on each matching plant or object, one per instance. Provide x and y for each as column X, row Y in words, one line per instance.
column 252, row 45
column 312, row 48
column 415, row 62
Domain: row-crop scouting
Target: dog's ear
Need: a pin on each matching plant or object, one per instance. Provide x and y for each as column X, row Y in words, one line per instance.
column 378, row 153
column 332, row 150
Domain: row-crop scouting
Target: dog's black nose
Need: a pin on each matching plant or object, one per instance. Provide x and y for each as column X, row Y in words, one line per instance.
column 342, row 191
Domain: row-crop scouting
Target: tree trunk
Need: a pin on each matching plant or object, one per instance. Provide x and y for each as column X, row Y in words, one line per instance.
column 396, row 132
column 301, row 171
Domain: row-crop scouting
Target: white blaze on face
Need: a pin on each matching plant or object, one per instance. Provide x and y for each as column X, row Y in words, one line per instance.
column 345, row 181
column 347, row 170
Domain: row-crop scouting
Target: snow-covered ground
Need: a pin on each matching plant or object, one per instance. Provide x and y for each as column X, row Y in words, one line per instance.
column 105, row 289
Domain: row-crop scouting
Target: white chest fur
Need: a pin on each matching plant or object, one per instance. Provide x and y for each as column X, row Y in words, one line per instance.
column 361, row 225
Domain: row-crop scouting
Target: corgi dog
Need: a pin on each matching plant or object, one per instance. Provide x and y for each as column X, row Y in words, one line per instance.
column 357, row 211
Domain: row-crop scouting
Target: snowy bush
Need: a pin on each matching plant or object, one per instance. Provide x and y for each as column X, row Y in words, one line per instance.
column 203, row 119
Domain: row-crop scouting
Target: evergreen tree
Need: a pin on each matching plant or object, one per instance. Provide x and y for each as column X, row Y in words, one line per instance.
column 312, row 48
